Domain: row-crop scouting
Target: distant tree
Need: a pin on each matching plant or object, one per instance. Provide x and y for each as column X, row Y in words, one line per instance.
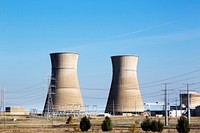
column 107, row 124
column 146, row 124
column 85, row 124
column 183, row 125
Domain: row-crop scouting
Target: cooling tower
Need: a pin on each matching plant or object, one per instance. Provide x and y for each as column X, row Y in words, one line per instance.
column 64, row 94
column 124, row 96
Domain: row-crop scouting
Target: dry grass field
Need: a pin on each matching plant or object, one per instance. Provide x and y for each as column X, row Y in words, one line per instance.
column 25, row 124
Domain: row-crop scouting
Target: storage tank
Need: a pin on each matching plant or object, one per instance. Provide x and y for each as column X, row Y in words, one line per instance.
column 124, row 96
column 64, row 93
column 194, row 99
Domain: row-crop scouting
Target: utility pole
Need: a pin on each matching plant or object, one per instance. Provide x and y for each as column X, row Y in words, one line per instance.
column 188, row 102
column 176, row 107
column 166, row 105
column 181, row 102
column 113, row 107
column 2, row 105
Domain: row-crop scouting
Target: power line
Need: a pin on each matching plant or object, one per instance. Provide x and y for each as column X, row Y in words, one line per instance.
column 151, row 96
column 152, row 86
column 94, row 89
column 95, row 97
column 170, row 78
column 172, row 82
column 151, row 93
column 185, row 79
column 26, row 91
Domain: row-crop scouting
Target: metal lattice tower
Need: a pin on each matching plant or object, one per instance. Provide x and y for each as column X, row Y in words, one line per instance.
column 64, row 91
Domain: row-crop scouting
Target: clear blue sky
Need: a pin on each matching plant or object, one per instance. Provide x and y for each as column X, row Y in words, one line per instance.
column 164, row 34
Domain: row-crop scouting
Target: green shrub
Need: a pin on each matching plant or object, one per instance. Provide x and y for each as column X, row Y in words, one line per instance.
column 152, row 125
column 146, row 125
column 160, row 126
column 70, row 120
column 183, row 125
column 133, row 128
column 107, row 124
column 157, row 126
column 85, row 124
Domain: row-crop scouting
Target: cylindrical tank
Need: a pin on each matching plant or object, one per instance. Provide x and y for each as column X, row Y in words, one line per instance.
column 65, row 91
column 194, row 99
column 124, row 96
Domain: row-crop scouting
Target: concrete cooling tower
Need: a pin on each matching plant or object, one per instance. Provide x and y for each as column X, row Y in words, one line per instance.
column 124, row 96
column 64, row 92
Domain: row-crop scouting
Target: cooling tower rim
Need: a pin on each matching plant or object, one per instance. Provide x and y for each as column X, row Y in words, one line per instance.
column 124, row 56
column 63, row 53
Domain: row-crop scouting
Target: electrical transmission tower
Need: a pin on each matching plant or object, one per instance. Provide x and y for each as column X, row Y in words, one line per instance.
column 49, row 106
column 51, row 92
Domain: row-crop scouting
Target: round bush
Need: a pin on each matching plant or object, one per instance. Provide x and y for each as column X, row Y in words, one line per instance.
column 107, row 124
column 85, row 124
column 183, row 125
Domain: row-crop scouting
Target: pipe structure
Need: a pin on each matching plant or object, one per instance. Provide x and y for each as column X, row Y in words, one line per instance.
column 64, row 93
column 124, row 96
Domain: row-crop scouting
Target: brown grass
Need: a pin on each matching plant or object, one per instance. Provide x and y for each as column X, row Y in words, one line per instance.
column 23, row 124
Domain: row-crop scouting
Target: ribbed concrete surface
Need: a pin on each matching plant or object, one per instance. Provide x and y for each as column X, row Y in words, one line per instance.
column 124, row 93
column 67, row 95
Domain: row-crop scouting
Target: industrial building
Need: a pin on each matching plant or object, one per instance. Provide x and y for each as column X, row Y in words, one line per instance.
column 64, row 92
column 194, row 99
column 124, row 96
column 178, row 110
column 15, row 110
